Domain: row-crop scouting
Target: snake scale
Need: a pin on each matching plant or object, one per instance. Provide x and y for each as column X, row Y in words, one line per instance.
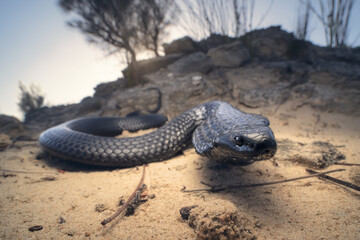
column 217, row 130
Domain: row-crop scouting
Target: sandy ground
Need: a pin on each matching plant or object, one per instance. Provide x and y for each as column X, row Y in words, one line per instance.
column 70, row 204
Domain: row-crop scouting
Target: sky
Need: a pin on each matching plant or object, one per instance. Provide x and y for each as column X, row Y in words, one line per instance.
column 36, row 46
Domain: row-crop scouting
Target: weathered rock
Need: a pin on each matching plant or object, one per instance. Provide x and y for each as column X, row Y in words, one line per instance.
column 11, row 126
column 271, row 43
column 220, row 219
column 351, row 55
column 301, row 50
column 229, row 55
column 195, row 62
column 104, row 90
column 324, row 78
column 5, row 141
column 338, row 71
column 327, row 98
column 183, row 45
column 184, row 91
column 249, row 77
column 154, row 64
column 40, row 119
column 88, row 105
column 46, row 117
column 213, row 41
column 138, row 99
column 266, row 96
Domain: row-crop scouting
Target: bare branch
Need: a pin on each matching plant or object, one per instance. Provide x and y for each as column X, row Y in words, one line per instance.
column 334, row 17
column 303, row 21
column 265, row 14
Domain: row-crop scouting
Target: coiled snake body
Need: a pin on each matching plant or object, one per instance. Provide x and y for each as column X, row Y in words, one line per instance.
column 218, row 131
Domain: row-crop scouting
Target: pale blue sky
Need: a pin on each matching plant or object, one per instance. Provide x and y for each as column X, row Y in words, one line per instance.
column 36, row 46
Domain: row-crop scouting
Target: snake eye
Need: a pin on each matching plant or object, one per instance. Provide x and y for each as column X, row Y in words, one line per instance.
column 239, row 141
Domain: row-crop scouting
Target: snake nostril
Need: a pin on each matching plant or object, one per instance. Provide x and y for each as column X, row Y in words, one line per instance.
column 267, row 146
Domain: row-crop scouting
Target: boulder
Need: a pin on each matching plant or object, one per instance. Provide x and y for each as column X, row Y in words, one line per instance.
column 269, row 44
column 5, row 141
column 104, row 90
column 184, row 91
column 142, row 100
column 266, row 96
column 40, row 119
column 194, row 62
column 154, row 64
column 351, row 55
column 327, row 98
column 229, row 55
column 11, row 126
column 213, row 41
column 183, row 45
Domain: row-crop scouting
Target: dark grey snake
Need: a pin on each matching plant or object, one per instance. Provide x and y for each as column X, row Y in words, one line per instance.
column 218, row 131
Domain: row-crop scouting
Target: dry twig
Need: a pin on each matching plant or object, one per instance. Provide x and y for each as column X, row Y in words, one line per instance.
column 347, row 164
column 131, row 199
column 335, row 180
column 27, row 172
column 219, row 188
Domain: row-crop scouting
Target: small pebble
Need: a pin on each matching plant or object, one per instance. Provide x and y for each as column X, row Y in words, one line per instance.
column 185, row 211
column 35, row 228
column 62, row 220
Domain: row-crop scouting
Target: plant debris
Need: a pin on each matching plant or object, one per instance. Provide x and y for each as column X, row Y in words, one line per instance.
column 185, row 211
column 222, row 188
column 35, row 228
column 133, row 200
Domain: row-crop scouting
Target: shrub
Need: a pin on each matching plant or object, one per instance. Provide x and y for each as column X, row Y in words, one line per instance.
column 30, row 98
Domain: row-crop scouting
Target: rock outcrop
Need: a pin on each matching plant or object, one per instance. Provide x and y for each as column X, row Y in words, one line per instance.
column 194, row 62
column 183, row 45
column 11, row 126
column 264, row 68
column 269, row 44
column 230, row 55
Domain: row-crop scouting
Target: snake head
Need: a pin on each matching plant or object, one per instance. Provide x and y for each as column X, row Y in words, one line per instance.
column 243, row 146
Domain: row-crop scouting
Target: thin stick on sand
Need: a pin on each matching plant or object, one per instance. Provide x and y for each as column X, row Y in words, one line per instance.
column 219, row 188
column 335, row 180
column 129, row 201
column 347, row 164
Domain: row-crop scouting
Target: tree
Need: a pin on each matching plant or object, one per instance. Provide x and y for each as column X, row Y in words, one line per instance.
column 303, row 21
column 129, row 25
column 201, row 18
column 335, row 17
column 30, row 99
column 154, row 18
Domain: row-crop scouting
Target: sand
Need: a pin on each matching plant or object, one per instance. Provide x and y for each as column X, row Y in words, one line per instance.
column 70, row 200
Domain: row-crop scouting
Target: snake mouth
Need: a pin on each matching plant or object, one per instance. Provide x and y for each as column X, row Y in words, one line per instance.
column 242, row 151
